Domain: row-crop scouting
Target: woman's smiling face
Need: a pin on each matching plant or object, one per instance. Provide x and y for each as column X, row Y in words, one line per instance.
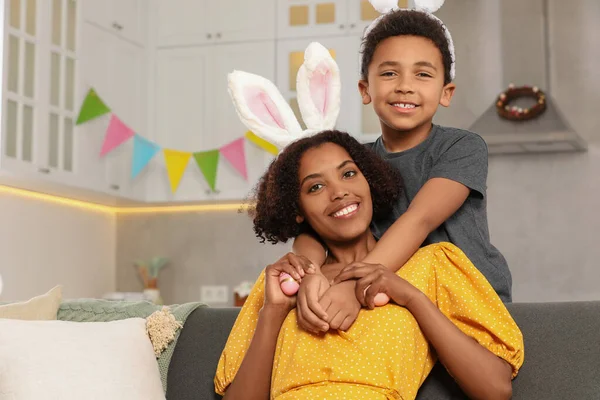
column 335, row 198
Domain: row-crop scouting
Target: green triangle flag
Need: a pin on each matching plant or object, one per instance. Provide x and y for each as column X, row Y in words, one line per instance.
column 92, row 107
column 208, row 161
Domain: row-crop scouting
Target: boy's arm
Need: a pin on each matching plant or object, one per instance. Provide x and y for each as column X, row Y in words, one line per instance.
column 437, row 200
column 306, row 245
column 460, row 169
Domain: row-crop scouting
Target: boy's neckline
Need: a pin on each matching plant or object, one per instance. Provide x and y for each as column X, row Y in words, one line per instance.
column 416, row 148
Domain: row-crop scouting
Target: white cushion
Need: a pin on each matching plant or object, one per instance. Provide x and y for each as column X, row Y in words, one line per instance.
column 59, row 360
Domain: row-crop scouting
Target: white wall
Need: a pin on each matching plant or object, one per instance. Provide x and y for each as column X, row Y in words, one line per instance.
column 43, row 244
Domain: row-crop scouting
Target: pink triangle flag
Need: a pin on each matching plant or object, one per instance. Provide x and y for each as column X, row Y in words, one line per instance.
column 116, row 134
column 234, row 153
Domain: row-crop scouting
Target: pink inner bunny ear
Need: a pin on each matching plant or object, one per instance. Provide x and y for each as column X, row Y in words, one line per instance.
column 263, row 107
column 320, row 83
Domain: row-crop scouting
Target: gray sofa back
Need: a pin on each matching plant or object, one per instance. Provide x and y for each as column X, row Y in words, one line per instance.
column 562, row 354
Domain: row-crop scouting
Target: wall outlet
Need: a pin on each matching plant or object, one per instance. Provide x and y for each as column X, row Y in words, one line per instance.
column 214, row 294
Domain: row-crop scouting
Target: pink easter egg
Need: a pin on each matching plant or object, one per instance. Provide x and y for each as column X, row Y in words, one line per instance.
column 381, row 299
column 289, row 286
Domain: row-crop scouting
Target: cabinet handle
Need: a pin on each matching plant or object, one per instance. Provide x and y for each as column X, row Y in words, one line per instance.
column 218, row 35
column 342, row 26
column 352, row 26
column 44, row 170
column 115, row 187
column 117, row 26
column 209, row 36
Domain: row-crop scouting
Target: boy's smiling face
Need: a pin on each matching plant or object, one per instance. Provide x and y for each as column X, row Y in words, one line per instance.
column 406, row 85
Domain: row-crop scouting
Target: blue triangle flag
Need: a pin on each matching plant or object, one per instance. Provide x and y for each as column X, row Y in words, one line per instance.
column 143, row 151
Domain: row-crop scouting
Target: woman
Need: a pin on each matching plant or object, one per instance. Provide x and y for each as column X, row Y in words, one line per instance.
column 330, row 184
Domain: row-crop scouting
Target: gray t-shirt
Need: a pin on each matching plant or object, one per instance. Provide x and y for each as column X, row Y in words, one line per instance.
column 461, row 156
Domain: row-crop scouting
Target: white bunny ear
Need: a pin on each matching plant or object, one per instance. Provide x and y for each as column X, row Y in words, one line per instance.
column 262, row 108
column 429, row 6
column 319, row 87
column 384, row 6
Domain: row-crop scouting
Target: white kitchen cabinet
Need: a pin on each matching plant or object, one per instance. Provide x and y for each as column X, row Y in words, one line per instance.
column 21, row 148
column 323, row 18
column 116, row 69
column 203, row 118
column 361, row 13
column 182, row 22
column 127, row 19
column 197, row 22
column 312, row 18
column 39, row 87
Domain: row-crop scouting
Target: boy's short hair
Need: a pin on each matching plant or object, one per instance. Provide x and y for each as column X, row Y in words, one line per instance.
column 406, row 23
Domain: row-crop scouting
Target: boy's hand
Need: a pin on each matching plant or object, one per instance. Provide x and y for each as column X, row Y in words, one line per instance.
column 300, row 264
column 341, row 305
column 375, row 278
column 311, row 316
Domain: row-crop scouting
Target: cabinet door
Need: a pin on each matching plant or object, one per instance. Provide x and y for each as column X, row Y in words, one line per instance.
column 98, row 12
column 257, row 58
column 361, row 13
column 181, row 113
column 242, row 21
column 311, row 18
column 127, row 68
column 290, row 54
column 94, row 60
column 183, row 22
column 130, row 19
column 61, row 74
column 125, row 18
column 22, row 90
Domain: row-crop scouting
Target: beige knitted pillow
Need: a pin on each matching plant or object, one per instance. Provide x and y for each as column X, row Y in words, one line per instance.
column 43, row 307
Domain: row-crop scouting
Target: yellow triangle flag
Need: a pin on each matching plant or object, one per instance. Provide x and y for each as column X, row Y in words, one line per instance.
column 262, row 143
column 177, row 162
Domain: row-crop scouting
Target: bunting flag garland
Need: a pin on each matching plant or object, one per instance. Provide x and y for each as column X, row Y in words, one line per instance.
column 234, row 153
column 92, row 107
column 262, row 143
column 207, row 162
column 143, row 151
column 176, row 161
column 116, row 134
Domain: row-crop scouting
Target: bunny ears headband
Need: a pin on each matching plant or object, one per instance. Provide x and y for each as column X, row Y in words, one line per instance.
column 264, row 111
column 425, row 6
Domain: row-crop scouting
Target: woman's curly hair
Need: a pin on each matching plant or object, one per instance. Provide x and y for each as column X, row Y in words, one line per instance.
column 277, row 194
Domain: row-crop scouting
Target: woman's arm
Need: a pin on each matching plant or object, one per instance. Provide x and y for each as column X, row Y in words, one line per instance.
column 479, row 372
column 253, row 380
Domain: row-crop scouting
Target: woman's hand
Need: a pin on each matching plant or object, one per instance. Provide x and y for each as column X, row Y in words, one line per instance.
column 375, row 278
column 293, row 265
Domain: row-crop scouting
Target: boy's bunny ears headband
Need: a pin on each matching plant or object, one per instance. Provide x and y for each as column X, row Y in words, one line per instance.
column 425, row 6
column 265, row 112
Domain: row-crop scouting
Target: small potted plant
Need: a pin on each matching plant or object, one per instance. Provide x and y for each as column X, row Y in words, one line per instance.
column 148, row 272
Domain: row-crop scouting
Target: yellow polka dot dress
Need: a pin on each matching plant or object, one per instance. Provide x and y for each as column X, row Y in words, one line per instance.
column 384, row 355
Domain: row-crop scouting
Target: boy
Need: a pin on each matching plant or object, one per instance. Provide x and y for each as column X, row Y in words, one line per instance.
column 407, row 69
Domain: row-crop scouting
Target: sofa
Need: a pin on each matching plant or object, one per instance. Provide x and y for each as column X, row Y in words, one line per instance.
column 562, row 354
